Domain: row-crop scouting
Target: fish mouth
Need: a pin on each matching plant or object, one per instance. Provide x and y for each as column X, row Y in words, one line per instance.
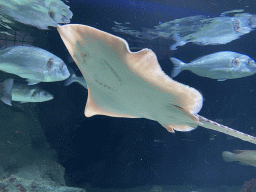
column 251, row 65
column 50, row 97
column 66, row 74
column 253, row 69
column 66, row 17
column 63, row 71
column 253, row 21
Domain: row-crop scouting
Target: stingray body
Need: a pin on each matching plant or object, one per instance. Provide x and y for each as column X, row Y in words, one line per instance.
column 129, row 84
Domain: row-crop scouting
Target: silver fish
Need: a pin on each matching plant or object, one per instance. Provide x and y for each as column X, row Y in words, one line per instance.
column 25, row 93
column 245, row 157
column 214, row 31
column 198, row 29
column 38, row 13
column 6, row 91
column 33, row 63
column 221, row 65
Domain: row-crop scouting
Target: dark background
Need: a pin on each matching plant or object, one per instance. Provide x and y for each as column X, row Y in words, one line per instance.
column 119, row 152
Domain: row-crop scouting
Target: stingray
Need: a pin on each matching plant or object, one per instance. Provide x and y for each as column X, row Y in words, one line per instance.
column 129, row 84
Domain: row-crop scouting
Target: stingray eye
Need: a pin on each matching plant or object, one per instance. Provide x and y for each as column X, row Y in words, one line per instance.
column 49, row 63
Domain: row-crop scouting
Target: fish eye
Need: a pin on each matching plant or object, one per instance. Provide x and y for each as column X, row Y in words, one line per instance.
column 250, row 62
column 63, row 12
column 51, row 14
column 34, row 92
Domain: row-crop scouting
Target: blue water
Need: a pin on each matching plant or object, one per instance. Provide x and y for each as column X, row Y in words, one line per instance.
column 123, row 153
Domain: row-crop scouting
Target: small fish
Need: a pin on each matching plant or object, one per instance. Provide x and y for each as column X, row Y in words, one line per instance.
column 33, row 63
column 245, row 157
column 25, row 93
column 73, row 78
column 221, row 66
column 6, row 91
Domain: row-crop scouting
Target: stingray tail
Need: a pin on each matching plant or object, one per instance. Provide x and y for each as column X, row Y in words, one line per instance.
column 6, row 91
column 228, row 156
column 178, row 64
column 206, row 123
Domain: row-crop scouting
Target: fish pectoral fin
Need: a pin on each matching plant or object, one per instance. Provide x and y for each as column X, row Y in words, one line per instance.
column 221, row 79
column 32, row 82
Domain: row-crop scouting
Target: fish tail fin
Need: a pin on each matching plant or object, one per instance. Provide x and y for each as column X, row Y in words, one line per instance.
column 71, row 78
column 177, row 66
column 176, row 37
column 228, row 156
column 6, row 91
